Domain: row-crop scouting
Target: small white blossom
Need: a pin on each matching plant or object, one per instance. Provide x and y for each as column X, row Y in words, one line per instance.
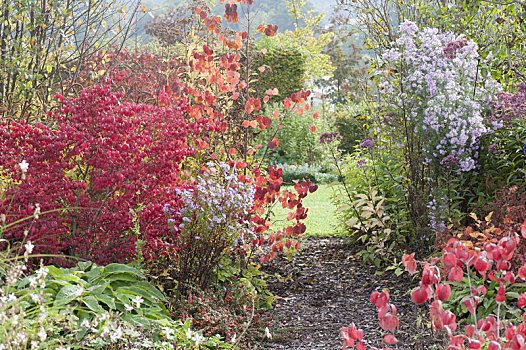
column 24, row 166
column 116, row 335
column 42, row 334
column 137, row 301
column 29, row 248
column 267, row 333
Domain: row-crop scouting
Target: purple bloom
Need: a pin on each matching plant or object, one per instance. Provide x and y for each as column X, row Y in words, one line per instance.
column 367, row 142
column 451, row 49
column 450, row 161
column 330, row 137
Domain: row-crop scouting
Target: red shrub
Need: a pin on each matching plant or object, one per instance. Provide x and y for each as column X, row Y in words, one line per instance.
column 105, row 158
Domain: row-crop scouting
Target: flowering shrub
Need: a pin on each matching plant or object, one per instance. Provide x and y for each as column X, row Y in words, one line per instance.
column 105, row 158
column 439, row 93
column 211, row 218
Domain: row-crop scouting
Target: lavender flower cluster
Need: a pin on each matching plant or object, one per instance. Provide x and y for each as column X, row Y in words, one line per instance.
column 219, row 202
column 510, row 106
column 330, row 137
column 440, row 93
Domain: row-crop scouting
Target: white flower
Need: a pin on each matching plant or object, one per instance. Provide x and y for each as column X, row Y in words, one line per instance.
column 128, row 308
column 267, row 333
column 24, row 166
column 85, row 323
column 29, row 248
column 233, row 340
column 168, row 332
column 42, row 334
column 37, row 211
column 117, row 334
column 137, row 301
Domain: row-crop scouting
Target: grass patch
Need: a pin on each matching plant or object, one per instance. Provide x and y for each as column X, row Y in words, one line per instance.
column 321, row 217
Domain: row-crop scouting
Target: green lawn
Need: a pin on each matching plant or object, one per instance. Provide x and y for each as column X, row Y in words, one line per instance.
column 321, row 217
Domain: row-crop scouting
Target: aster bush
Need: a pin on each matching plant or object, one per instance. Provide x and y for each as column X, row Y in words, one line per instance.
column 211, row 220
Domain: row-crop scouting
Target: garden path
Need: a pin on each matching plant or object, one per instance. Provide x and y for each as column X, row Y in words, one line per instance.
column 326, row 287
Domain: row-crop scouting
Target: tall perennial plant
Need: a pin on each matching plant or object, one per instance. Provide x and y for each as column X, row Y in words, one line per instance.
column 436, row 100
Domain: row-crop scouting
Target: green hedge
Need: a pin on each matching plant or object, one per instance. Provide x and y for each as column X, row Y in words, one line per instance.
column 286, row 73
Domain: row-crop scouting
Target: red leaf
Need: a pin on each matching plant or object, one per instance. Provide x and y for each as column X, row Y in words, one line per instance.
column 419, row 296
column 456, row 274
column 443, row 292
column 450, row 260
column 409, row 263
column 390, row 339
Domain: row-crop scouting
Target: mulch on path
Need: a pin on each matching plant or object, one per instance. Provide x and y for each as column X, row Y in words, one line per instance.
column 326, row 287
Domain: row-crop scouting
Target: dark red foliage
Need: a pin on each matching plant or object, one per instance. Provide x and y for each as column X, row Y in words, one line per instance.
column 105, row 158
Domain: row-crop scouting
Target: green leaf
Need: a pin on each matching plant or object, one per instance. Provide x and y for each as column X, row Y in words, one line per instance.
column 121, row 277
column 152, row 290
column 133, row 290
column 70, row 278
column 68, row 294
column 92, row 303
column 121, row 268
column 106, row 299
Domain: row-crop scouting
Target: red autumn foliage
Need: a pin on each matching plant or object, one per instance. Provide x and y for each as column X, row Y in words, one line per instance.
column 105, row 158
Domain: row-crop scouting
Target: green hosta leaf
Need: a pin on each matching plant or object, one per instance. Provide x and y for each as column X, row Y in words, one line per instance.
column 92, row 303
column 120, row 268
column 70, row 278
column 121, row 277
column 137, row 320
column 152, row 290
column 123, row 297
column 106, row 299
column 94, row 274
column 98, row 288
column 133, row 291
column 68, row 294
column 85, row 265
column 55, row 271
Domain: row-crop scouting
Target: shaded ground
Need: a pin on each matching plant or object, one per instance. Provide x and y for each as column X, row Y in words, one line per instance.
column 326, row 287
